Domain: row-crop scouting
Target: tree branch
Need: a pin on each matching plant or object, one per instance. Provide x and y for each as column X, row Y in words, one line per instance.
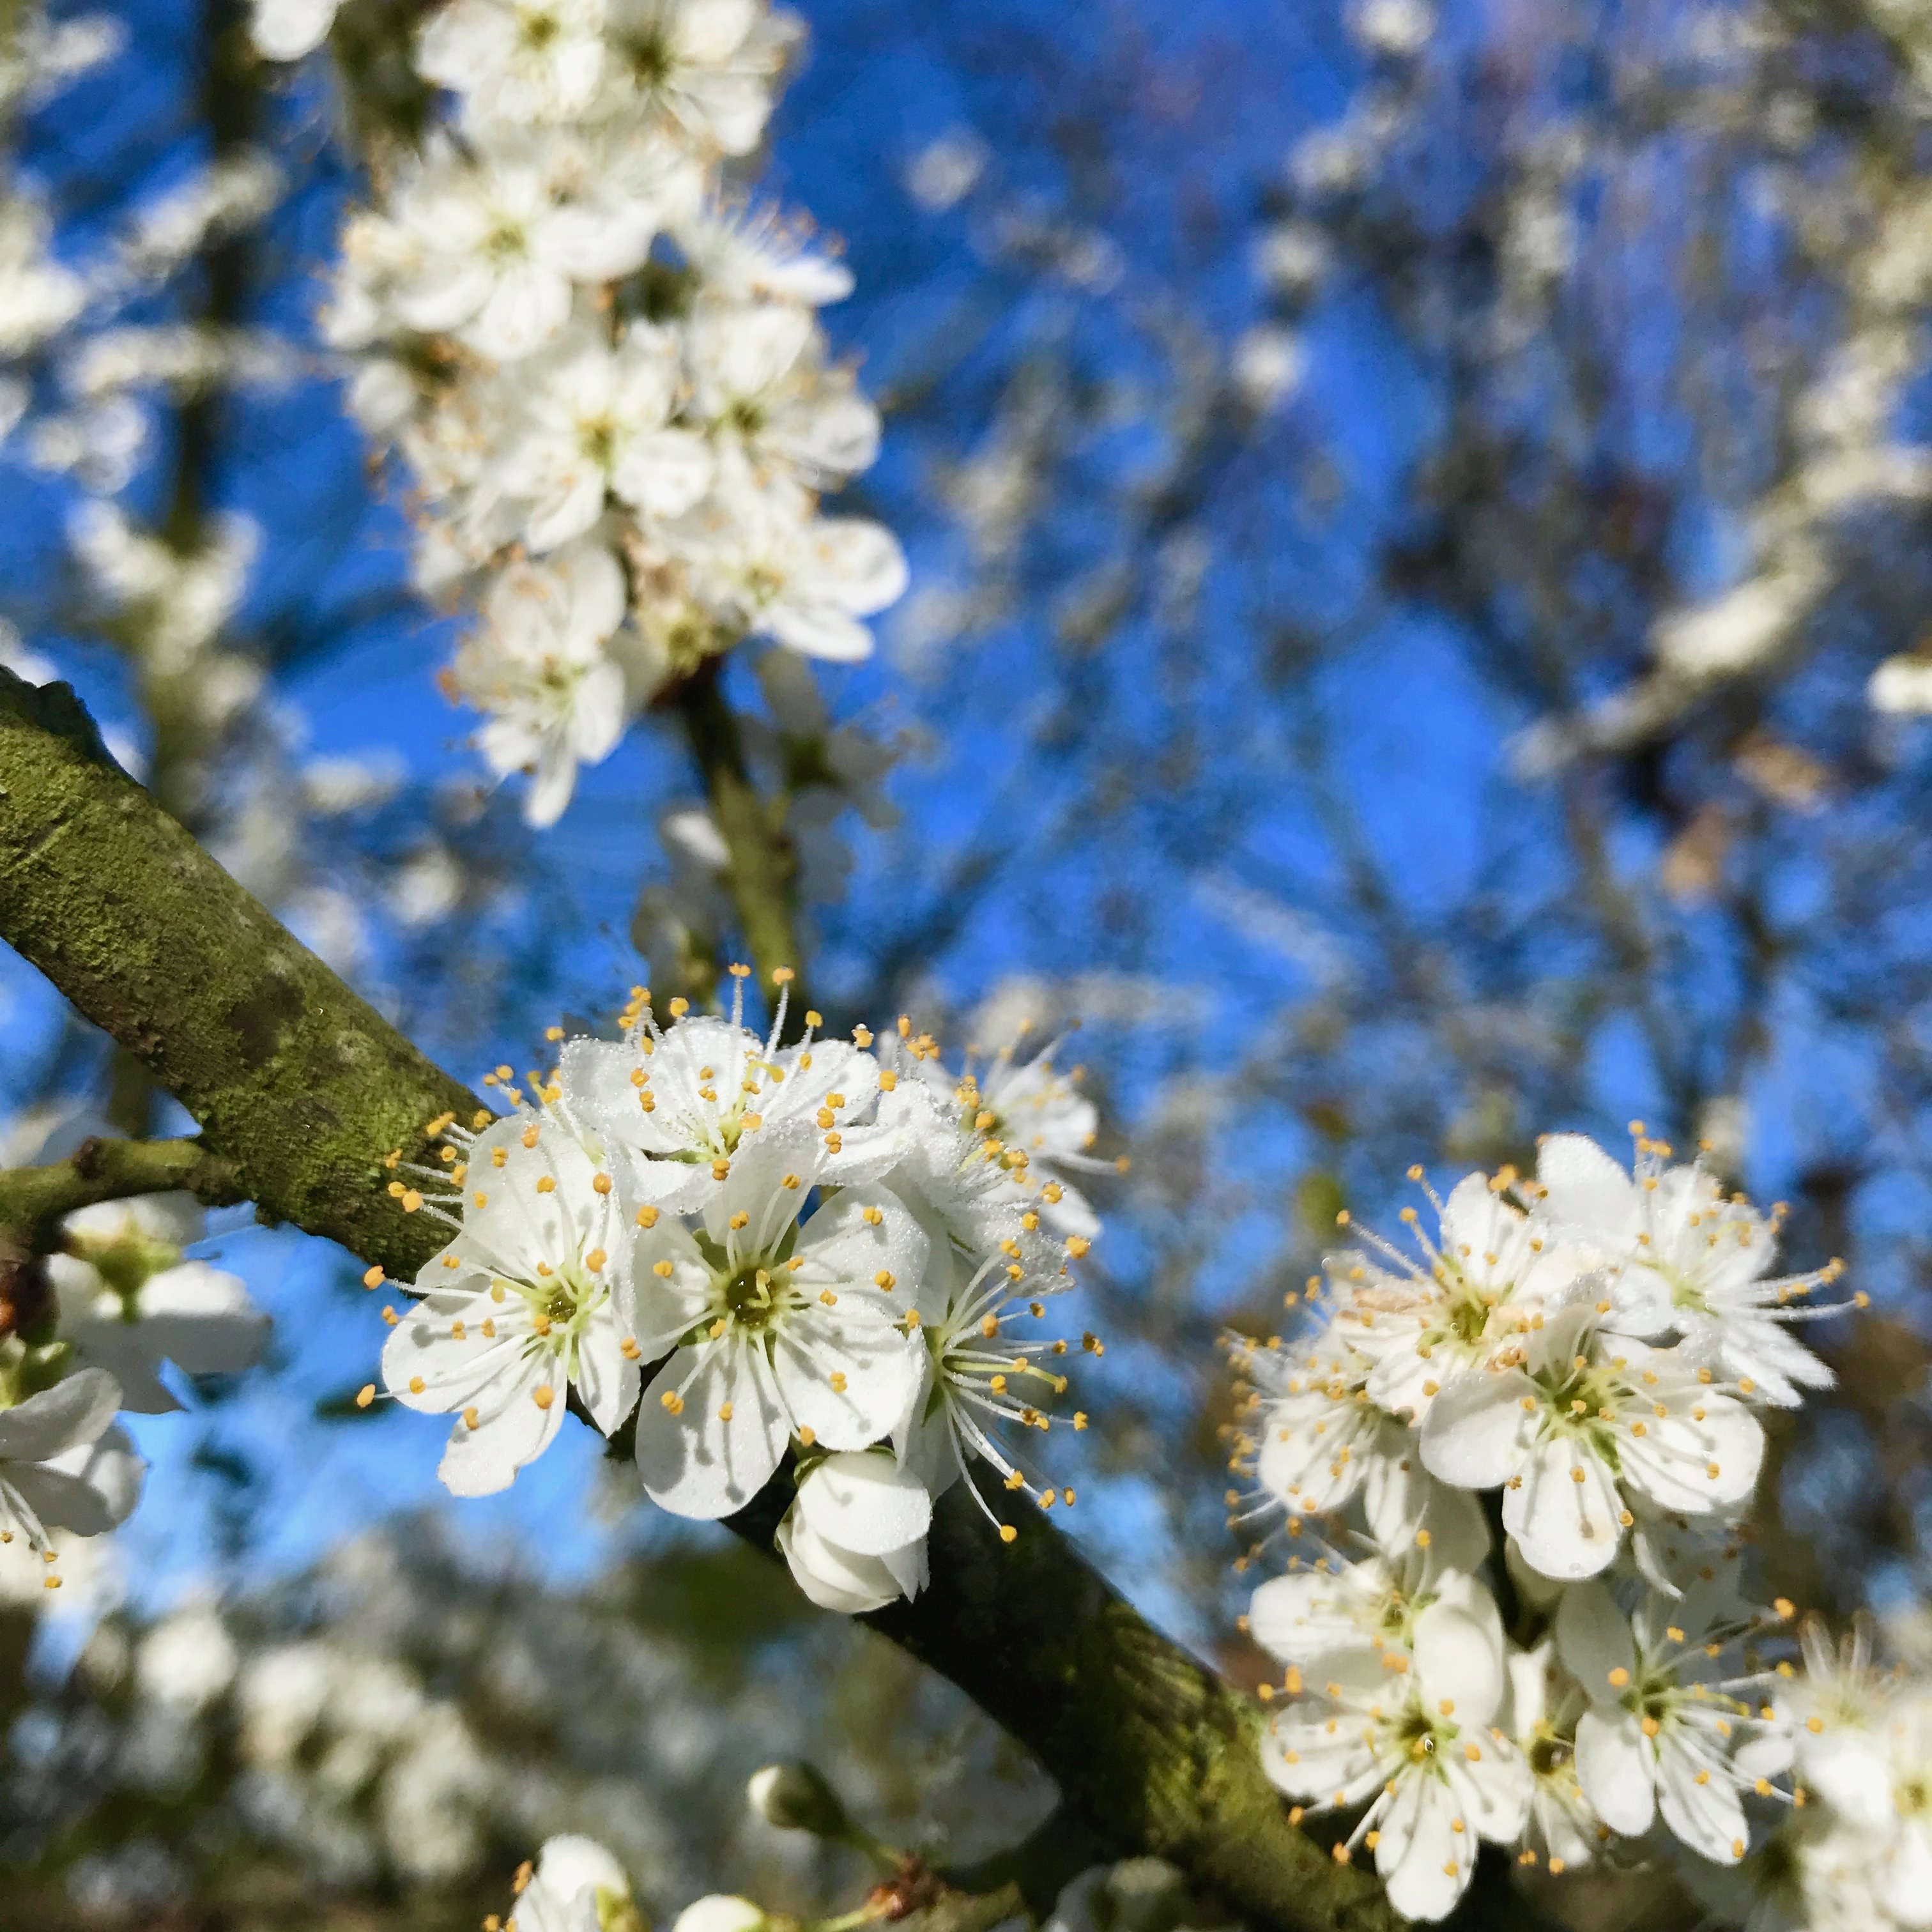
column 298, row 1084
column 760, row 873
column 304, row 1088
column 34, row 1200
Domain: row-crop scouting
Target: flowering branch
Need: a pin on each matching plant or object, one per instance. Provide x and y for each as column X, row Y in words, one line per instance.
column 34, row 1200
column 305, row 1089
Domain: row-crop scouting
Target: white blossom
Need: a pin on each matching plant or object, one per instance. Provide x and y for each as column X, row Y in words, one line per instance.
column 679, row 1101
column 1667, row 1719
column 532, row 1299
column 538, row 665
column 1491, row 1271
column 760, row 388
column 750, row 255
column 855, row 1536
column 789, row 1328
column 63, row 1463
column 595, row 418
column 979, row 1366
column 516, row 60
column 128, row 1300
column 1316, row 1436
column 495, row 244
column 1561, row 1832
column 1688, row 1261
column 575, row 1883
column 708, row 66
column 775, row 568
column 1421, row 1741
column 1573, row 1419
column 1320, row 1612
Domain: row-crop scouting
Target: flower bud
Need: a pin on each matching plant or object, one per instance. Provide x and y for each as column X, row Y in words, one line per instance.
column 719, row 1911
column 796, row 1797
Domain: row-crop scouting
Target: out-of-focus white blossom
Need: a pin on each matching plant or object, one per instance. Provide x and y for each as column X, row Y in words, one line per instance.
column 285, row 30
column 560, row 401
column 129, row 1299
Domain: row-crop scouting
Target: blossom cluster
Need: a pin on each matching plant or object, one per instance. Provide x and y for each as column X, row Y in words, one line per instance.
column 820, row 1248
column 1592, row 1350
column 85, row 1337
column 604, row 375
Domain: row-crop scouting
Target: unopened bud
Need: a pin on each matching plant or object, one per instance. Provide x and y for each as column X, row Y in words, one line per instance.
column 796, row 1797
column 719, row 1911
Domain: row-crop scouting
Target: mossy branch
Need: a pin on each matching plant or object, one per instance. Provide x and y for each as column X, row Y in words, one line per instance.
column 297, row 1083
column 303, row 1088
column 34, row 1200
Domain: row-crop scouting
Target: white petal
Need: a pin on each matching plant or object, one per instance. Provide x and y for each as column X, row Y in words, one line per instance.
column 1614, row 1765
column 721, row 1451
column 1694, row 1467
column 1708, row 1817
column 528, row 305
column 834, row 1579
column 865, row 1503
column 1478, row 1434
column 1493, row 1790
column 75, row 1410
column 1595, row 1639
column 1459, row 1655
column 846, row 1374
column 1585, row 1189
column 606, row 1378
column 1304, row 1617
column 817, row 631
column 1423, row 1860
column 202, row 1320
column 664, row 472
column 512, row 1430
column 90, row 1488
column 1564, row 1528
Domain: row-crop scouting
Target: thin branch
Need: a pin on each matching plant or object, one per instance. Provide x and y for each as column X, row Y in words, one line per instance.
column 762, row 869
column 34, row 1200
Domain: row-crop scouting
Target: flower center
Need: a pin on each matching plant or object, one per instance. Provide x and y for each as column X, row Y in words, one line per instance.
column 125, row 1264
column 597, row 439
column 561, row 1306
column 1582, row 1402
column 1421, row 1737
column 505, row 242
column 649, row 57
column 539, row 28
column 1684, row 1293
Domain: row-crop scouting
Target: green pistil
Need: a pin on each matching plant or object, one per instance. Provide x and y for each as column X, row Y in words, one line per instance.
column 505, row 243
column 125, row 1264
column 1424, row 1738
column 599, row 441
column 1684, row 1293
column 567, row 1300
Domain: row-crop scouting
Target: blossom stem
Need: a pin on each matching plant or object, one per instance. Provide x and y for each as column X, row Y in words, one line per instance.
column 33, row 1200
column 762, row 867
